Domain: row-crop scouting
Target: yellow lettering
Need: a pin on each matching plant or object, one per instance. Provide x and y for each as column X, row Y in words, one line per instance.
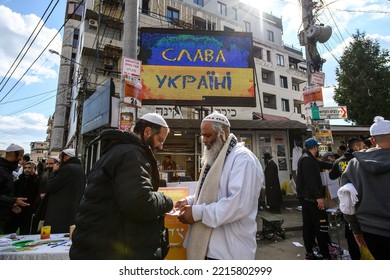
column 209, row 55
column 201, row 55
column 220, row 56
column 165, row 56
column 186, row 53
column 198, row 55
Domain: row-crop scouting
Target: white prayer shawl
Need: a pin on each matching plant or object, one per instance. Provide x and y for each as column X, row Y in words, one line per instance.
column 198, row 234
column 348, row 199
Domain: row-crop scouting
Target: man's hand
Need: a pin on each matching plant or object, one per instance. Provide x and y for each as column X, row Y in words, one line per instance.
column 16, row 209
column 185, row 215
column 20, row 201
column 321, row 203
column 179, row 204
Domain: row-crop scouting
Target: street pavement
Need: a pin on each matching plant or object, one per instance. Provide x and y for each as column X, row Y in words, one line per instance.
column 291, row 248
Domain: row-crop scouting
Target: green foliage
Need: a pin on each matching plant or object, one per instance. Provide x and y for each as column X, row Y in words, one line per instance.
column 364, row 80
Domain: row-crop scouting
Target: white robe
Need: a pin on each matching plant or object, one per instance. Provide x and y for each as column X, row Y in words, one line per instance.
column 233, row 216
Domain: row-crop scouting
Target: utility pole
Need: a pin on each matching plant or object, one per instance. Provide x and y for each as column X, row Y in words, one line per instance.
column 308, row 37
column 130, row 43
column 130, row 30
column 307, row 21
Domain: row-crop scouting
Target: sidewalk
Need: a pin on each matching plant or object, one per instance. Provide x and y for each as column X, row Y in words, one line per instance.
column 290, row 248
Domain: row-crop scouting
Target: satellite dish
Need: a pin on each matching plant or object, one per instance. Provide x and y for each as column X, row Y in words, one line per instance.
column 320, row 33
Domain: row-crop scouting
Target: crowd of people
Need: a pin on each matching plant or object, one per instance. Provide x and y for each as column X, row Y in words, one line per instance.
column 30, row 199
column 118, row 211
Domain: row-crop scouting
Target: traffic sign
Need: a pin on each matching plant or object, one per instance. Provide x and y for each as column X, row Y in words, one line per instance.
column 321, row 113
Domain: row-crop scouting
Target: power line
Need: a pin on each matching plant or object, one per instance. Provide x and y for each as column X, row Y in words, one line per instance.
column 28, row 69
column 22, row 99
column 25, row 53
column 20, row 52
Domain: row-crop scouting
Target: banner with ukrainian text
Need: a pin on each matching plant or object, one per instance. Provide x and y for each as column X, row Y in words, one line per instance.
column 192, row 67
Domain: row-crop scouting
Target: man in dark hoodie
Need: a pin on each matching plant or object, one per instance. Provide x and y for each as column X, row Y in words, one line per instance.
column 339, row 166
column 121, row 215
column 369, row 173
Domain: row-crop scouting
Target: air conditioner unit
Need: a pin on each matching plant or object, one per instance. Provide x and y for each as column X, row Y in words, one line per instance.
column 93, row 23
column 265, row 76
column 108, row 63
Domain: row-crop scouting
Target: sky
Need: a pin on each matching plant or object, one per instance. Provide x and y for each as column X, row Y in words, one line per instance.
column 27, row 99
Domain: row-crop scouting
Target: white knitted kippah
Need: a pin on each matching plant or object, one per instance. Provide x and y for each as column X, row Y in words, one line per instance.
column 154, row 118
column 70, row 152
column 380, row 126
column 217, row 117
column 13, row 148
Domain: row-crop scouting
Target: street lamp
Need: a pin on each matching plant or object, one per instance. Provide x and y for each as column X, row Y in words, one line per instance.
column 65, row 58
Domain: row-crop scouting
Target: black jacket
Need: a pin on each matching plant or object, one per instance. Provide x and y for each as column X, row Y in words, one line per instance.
column 121, row 213
column 309, row 184
column 7, row 199
column 341, row 164
column 273, row 192
column 65, row 188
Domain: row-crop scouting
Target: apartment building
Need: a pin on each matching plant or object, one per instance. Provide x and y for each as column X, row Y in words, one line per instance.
column 90, row 84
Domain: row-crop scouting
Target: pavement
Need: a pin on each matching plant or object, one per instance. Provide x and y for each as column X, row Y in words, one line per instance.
column 291, row 248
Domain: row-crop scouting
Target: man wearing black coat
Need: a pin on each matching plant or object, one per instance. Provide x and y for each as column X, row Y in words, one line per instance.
column 25, row 186
column 311, row 195
column 8, row 202
column 64, row 188
column 273, row 193
column 121, row 215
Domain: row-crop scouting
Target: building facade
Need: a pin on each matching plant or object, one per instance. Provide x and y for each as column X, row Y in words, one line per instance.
column 92, row 62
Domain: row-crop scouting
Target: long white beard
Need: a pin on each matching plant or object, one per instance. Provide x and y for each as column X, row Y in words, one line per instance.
column 210, row 155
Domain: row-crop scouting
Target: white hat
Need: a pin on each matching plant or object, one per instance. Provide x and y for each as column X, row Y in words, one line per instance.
column 70, row 152
column 57, row 159
column 217, row 117
column 154, row 118
column 380, row 126
column 13, row 148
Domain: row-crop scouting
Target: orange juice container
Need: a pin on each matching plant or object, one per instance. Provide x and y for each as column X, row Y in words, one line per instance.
column 45, row 232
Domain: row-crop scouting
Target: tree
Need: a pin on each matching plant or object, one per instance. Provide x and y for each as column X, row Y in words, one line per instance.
column 364, row 80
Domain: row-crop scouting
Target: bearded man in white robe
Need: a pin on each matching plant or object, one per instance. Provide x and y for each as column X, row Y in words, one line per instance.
column 222, row 212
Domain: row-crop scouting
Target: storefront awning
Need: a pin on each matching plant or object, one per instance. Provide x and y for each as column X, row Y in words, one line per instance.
column 186, row 124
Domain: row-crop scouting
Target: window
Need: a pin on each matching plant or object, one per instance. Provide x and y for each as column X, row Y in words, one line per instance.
column 269, row 56
column 211, row 25
column 297, row 106
column 76, row 33
column 200, row 23
column 75, row 11
column 172, row 14
column 222, row 8
column 257, row 52
column 285, row 105
column 145, row 7
column 225, row 28
column 235, row 13
column 270, row 35
column 283, row 82
column 199, row 2
column 279, row 59
column 269, row 101
column 247, row 26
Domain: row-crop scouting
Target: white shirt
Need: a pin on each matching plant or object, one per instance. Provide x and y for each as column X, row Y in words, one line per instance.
column 233, row 216
column 297, row 153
